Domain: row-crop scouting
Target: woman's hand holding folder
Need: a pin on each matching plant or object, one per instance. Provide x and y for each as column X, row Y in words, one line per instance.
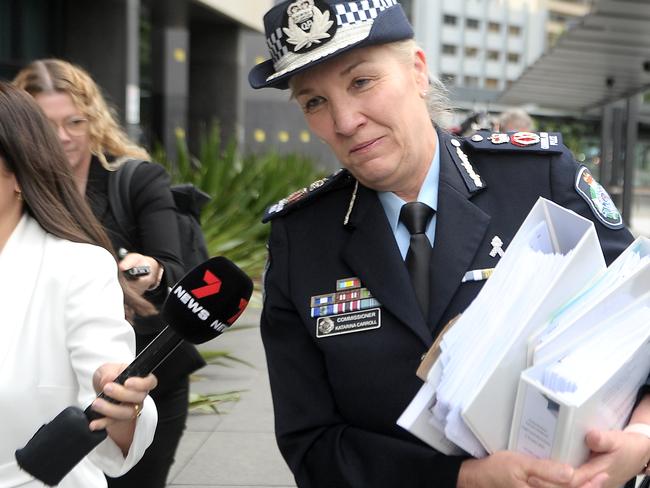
column 506, row 469
column 617, row 456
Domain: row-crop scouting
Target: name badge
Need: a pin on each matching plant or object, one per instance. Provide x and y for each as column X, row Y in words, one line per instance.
column 348, row 323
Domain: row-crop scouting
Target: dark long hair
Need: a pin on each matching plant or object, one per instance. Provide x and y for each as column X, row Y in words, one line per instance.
column 33, row 154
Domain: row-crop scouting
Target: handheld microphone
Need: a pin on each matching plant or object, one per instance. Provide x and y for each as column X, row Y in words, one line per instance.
column 204, row 303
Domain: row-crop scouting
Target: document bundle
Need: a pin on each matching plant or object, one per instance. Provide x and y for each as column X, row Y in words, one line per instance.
column 588, row 364
column 553, row 345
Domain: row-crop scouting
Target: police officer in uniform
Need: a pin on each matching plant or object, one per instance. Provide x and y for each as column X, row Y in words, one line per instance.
column 366, row 266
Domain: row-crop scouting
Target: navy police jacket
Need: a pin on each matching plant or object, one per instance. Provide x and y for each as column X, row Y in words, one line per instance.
column 338, row 390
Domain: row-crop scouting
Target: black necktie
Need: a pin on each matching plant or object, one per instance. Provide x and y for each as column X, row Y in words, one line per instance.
column 415, row 216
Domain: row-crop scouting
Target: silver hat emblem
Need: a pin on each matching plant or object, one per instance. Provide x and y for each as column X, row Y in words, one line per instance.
column 307, row 24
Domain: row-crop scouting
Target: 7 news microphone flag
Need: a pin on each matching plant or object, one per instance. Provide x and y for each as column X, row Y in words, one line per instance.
column 204, row 303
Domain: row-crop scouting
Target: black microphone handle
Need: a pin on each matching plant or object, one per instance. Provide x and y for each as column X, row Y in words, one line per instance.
column 145, row 362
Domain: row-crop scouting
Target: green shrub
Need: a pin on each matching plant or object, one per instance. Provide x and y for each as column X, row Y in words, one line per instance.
column 242, row 187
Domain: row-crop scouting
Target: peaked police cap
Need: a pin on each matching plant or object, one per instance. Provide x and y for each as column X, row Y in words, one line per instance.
column 303, row 33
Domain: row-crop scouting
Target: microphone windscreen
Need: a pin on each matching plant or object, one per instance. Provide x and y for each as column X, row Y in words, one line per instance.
column 207, row 300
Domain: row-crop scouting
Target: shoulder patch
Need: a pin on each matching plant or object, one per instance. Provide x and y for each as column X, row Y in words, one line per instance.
column 539, row 142
column 598, row 199
column 299, row 197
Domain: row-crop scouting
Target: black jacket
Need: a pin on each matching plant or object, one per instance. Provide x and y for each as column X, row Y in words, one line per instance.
column 157, row 236
column 337, row 398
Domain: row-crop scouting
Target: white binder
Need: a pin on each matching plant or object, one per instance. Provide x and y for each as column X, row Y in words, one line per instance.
column 488, row 412
column 551, row 421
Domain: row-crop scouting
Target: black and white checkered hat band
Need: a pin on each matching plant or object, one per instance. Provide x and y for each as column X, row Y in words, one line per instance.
column 277, row 48
column 354, row 21
column 361, row 11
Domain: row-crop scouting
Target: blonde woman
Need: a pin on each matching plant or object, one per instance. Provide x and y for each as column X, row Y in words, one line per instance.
column 95, row 146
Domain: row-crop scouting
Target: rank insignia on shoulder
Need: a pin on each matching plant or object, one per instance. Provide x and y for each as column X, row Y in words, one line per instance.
column 598, row 199
column 351, row 308
column 517, row 141
column 472, row 179
column 307, row 193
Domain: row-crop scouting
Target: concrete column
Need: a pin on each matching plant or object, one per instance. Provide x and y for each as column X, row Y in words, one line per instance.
column 631, row 138
column 606, row 147
column 618, row 156
column 215, row 81
column 170, row 59
column 132, row 69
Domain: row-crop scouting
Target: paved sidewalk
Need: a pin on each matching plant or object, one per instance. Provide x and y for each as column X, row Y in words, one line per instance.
column 236, row 449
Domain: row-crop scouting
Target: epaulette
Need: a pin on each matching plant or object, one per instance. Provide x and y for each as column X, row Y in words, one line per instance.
column 307, row 194
column 472, row 179
column 539, row 142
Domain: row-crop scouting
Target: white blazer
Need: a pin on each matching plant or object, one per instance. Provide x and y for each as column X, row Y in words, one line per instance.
column 61, row 316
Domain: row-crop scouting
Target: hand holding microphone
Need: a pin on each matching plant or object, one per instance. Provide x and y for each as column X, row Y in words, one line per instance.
column 205, row 302
column 118, row 418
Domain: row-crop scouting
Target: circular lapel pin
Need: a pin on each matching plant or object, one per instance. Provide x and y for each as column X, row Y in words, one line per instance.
column 477, row 138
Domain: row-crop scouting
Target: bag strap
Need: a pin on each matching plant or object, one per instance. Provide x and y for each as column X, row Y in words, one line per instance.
column 119, row 195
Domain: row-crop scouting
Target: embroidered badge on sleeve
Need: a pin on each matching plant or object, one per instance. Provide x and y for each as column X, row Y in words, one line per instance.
column 598, row 199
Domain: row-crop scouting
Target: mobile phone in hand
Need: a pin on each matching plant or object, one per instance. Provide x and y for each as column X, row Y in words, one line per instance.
column 137, row 271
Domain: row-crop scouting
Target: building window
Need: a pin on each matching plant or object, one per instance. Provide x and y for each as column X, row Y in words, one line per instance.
column 514, row 30
column 471, row 52
column 449, row 20
column 494, row 27
column 471, row 81
column 491, row 83
column 513, row 58
column 493, row 55
column 471, row 24
column 449, row 49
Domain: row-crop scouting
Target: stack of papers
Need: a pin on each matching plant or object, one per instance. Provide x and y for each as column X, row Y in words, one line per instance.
column 626, row 279
column 548, row 322
column 598, row 357
column 554, row 254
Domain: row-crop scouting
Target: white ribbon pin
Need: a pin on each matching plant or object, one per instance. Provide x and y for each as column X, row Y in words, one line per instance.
column 496, row 247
